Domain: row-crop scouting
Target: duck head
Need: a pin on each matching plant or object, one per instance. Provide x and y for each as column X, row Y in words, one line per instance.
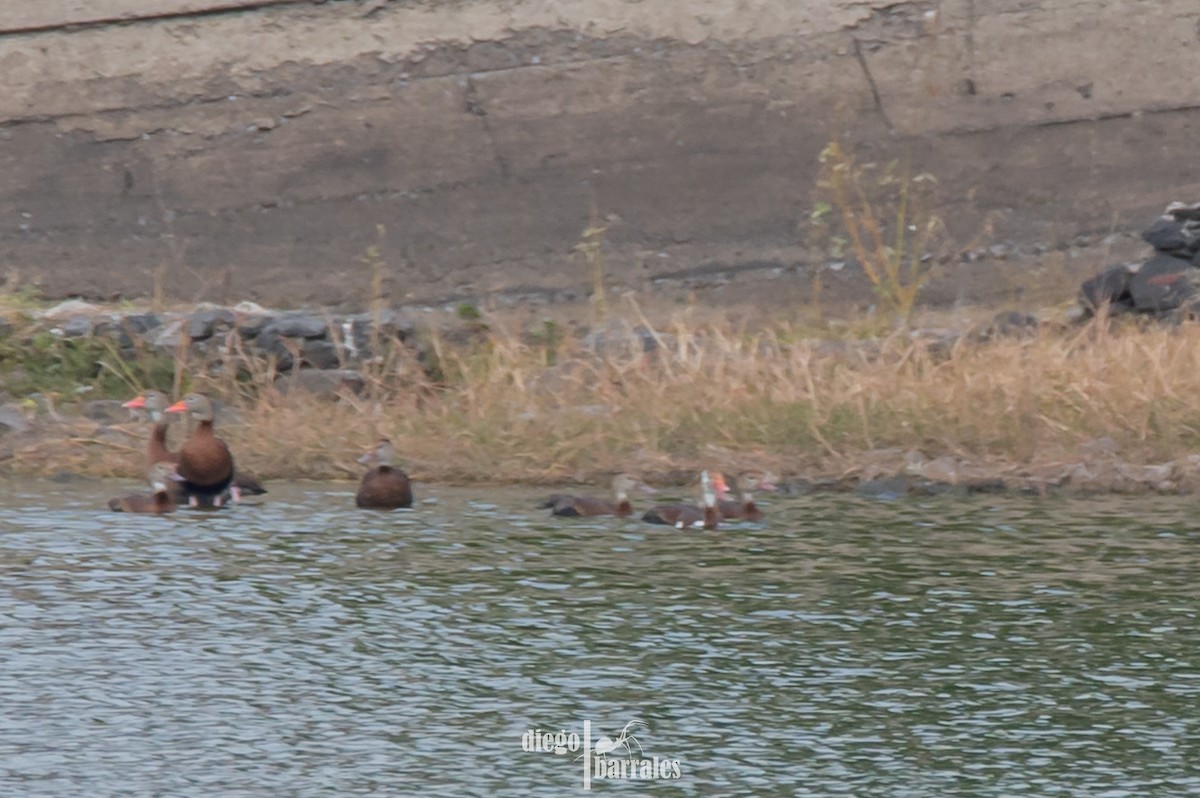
column 198, row 406
column 383, row 454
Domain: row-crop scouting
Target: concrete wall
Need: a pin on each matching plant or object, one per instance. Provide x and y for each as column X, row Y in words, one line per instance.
column 256, row 147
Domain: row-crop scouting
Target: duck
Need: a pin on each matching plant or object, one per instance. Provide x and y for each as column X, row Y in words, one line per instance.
column 205, row 463
column 383, row 487
column 684, row 516
column 573, row 506
column 744, row 507
column 155, row 404
column 160, row 476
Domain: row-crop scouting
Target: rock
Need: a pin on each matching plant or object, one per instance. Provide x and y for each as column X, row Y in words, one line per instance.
column 399, row 323
column 13, row 419
column 320, row 354
column 204, row 323
column 169, row 336
column 1109, row 287
column 618, row 339
column 942, row 469
column 77, row 326
column 1163, row 283
column 71, row 307
column 114, row 331
column 296, row 325
column 1010, row 324
column 320, row 382
column 250, row 325
column 139, row 323
column 108, row 411
column 273, row 345
column 1173, row 236
column 1156, row 476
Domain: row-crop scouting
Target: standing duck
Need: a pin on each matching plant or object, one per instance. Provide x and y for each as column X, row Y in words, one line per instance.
column 155, row 404
column 161, row 476
column 744, row 507
column 568, row 505
column 684, row 516
column 205, row 464
column 383, row 487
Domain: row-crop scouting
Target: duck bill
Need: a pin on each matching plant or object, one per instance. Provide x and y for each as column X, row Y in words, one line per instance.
column 178, row 407
column 135, row 403
column 367, row 458
column 644, row 488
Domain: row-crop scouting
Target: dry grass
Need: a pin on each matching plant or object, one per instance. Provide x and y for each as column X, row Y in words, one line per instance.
column 717, row 395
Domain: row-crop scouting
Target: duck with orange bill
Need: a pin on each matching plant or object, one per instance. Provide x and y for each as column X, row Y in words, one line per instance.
column 155, row 404
column 205, row 463
column 743, row 507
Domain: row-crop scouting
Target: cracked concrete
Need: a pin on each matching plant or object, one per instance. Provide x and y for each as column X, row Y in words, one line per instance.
column 267, row 142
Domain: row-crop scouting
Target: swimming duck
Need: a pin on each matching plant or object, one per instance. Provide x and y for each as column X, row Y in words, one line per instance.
column 205, row 463
column 744, row 507
column 568, row 505
column 155, row 404
column 383, row 487
column 160, row 475
column 683, row 516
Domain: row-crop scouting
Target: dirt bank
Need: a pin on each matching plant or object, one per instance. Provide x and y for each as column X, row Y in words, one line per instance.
column 257, row 150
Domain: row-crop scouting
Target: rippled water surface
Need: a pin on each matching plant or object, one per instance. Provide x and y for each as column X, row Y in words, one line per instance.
column 849, row 646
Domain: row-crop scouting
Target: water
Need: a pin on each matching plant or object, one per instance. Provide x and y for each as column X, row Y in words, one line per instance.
column 985, row 647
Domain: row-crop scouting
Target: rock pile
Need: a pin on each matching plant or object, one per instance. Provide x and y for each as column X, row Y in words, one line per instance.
column 1165, row 284
column 324, row 349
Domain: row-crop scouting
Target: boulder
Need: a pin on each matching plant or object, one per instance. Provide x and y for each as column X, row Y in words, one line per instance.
column 296, row 325
column 1162, row 283
column 1109, row 287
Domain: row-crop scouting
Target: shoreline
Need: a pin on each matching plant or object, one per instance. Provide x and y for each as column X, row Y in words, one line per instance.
column 957, row 405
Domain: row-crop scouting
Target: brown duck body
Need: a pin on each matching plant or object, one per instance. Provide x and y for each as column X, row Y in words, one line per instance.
column 157, row 502
column 384, row 488
column 744, row 507
column 205, row 463
column 739, row 509
column 157, row 451
column 683, row 516
column 575, row 506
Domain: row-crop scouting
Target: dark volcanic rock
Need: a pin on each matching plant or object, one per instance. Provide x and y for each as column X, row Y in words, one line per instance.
column 296, row 325
column 1173, row 236
column 1109, row 287
column 1163, row 283
column 205, row 323
column 139, row 323
column 320, row 354
column 77, row 326
column 273, row 345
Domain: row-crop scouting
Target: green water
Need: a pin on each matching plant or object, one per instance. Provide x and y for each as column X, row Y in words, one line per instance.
column 983, row 647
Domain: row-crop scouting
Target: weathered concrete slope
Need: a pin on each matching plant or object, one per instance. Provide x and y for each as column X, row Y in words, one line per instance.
column 263, row 144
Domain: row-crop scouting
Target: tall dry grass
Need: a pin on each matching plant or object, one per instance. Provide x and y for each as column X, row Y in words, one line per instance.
column 493, row 411
column 716, row 394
